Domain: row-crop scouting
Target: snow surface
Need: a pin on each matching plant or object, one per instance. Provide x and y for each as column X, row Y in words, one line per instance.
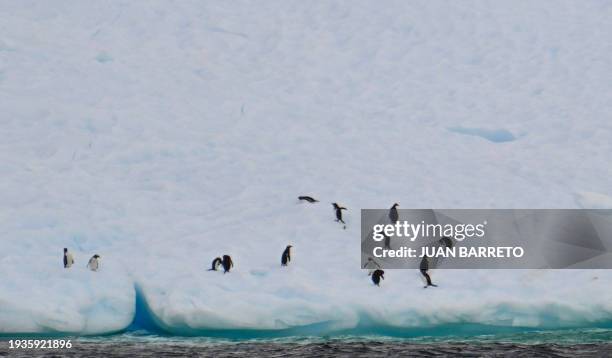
column 162, row 135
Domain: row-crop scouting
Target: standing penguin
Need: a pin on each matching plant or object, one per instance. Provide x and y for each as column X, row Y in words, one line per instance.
column 68, row 259
column 286, row 257
column 377, row 275
column 446, row 241
column 387, row 241
column 94, row 263
column 393, row 214
column 424, row 267
column 227, row 263
column 215, row 264
column 338, row 210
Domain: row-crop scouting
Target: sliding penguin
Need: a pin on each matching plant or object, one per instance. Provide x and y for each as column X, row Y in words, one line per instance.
column 286, row 257
column 227, row 263
column 68, row 259
column 307, row 198
column 393, row 214
column 94, row 263
column 215, row 264
column 424, row 268
column 377, row 275
column 338, row 210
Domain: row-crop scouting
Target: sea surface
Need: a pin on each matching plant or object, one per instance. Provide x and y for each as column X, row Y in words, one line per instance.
column 561, row 343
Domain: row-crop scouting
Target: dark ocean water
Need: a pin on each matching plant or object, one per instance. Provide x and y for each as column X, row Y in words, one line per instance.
column 568, row 343
column 329, row 349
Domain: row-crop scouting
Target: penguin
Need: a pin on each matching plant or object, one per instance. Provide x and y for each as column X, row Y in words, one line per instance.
column 393, row 214
column 446, row 241
column 377, row 275
column 371, row 265
column 94, row 263
column 424, row 267
column 68, row 259
column 307, row 198
column 227, row 263
column 338, row 210
column 387, row 241
column 286, row 257
column 215, row 264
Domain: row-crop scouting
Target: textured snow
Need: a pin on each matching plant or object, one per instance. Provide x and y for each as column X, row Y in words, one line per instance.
column 493, row 135
column 162, row 136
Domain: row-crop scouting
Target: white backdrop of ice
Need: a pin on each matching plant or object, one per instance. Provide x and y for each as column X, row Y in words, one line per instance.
column 38, row 295
column 160, row 136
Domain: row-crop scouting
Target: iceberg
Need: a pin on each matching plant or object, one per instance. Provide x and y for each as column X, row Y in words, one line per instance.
column 162, row 136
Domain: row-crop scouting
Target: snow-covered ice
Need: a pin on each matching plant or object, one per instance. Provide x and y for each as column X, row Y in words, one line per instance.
column 162, row 136
column 39, row 296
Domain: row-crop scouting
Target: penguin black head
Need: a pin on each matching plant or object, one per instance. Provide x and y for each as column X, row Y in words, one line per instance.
column 446, row 241
column 395, row 205
column 338, row 207
column 96, row 256
column 65, row 249
column 379, row 273
column 289, row 246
